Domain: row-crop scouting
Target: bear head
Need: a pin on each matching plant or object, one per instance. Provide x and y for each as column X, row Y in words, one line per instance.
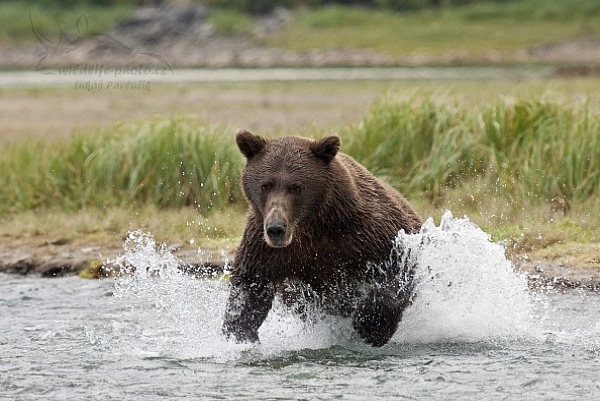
column 286, row 181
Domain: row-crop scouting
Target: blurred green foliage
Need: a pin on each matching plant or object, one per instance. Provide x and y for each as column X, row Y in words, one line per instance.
column 21, row 21
column 551, row 8
column 481, row 8
column 66, row 4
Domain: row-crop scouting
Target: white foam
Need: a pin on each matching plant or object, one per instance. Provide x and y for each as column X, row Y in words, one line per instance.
column 466, row 288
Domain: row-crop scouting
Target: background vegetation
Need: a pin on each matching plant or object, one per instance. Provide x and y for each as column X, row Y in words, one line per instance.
column 414, row 26
column 164, row 163
column 546, row 8
column 512, row 165
column 525, row 149
column 555, row 8
column 470, row 29
column 530, row 151
column 58, row 20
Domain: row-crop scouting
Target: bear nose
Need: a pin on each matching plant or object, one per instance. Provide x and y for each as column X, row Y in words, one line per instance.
column 276, row 231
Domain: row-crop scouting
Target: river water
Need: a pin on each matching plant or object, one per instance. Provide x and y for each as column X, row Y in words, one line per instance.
column 99, row 77
column 474, row 332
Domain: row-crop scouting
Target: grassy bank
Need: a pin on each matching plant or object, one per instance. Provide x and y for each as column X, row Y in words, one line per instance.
column 166, row 163
column 530, row 150
column 525, row 170
column 527, row 152
column 469, row 29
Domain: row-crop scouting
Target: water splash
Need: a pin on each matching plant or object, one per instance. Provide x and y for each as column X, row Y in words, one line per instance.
column 466, row 291
column 466, row 288
column 176, row 314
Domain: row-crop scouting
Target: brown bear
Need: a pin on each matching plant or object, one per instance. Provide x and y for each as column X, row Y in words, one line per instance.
column 319, row 220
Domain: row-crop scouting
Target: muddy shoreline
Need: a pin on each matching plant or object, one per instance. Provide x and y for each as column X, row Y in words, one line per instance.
column 61, row 258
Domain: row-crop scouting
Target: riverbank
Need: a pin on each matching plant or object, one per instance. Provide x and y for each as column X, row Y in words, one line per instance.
column 59, row 257
column 556, row 242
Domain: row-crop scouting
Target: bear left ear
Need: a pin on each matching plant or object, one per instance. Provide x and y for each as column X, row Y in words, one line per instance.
column 249, row 144
column 326, row 148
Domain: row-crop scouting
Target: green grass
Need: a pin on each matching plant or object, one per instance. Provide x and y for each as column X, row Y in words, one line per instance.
column 20, row 20
column 528, row 150
column 470, row 29
column 172, row 162
column 231, row 23
column 533, row 10
column 108, row 226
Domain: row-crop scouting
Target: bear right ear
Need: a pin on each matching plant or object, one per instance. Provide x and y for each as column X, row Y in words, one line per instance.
column 249, row 144
column 326, row 148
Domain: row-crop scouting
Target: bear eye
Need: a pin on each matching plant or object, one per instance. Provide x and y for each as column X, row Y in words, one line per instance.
column 295, row 189
column 266, row 187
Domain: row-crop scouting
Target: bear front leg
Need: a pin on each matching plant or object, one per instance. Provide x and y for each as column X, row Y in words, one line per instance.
column 377, row 316
column 247, row 307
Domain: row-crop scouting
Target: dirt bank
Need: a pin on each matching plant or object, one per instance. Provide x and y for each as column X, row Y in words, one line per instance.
column 58, row 257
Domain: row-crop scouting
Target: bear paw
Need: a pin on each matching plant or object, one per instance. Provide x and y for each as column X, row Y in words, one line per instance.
column 240, row 335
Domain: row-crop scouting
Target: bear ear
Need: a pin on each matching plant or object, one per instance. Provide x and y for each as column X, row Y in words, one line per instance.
column 326, row 148
column 250, row 145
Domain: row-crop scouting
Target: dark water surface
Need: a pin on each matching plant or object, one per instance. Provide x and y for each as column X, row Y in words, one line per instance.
column 474, row 333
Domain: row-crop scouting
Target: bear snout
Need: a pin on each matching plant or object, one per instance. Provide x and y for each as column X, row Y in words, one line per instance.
column 278, row 233
column 276, row 230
